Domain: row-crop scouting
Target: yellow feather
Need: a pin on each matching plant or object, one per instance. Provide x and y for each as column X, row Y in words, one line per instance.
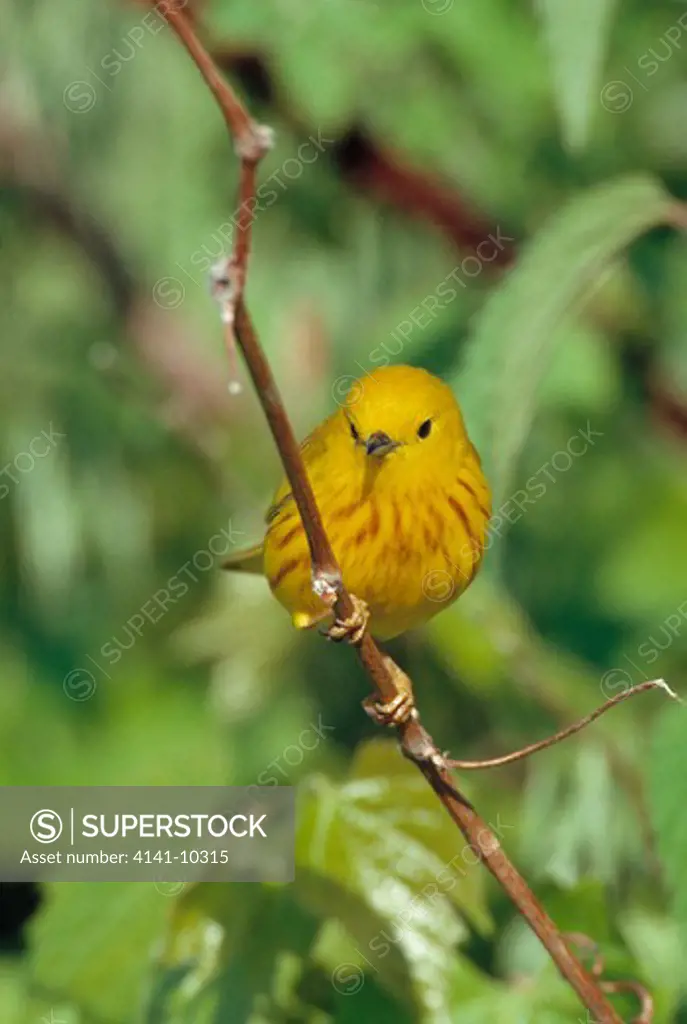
column 247, row 560
column 403, row 500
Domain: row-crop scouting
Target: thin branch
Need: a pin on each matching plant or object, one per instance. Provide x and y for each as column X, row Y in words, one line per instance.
column 598, row 966
column 562, row 734
column 646, row 1002
column 239, row 121
column 251, row 142
column 417, row 744
column 320, row 551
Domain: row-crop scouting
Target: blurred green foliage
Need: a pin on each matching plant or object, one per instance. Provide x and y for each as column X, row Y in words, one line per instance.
column 125, row 457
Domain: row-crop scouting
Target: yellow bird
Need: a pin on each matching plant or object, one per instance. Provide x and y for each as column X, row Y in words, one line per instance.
column 403, row 500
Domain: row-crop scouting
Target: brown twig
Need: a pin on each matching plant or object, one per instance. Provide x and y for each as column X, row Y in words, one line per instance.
column 562, row 734
column 646, row 1002
column 417, row 744
column 251, row 142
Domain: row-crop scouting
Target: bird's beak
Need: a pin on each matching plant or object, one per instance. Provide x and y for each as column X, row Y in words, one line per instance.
column 379, row 444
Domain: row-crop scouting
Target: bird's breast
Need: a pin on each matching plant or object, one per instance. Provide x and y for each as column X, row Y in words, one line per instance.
column 406, row 552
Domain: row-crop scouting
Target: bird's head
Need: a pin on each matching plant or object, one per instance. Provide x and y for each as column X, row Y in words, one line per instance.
column 404, row 417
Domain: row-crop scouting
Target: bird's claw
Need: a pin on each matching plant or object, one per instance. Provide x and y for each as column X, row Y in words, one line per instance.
column 401, row 708
column 353, row 627
column 396, row 712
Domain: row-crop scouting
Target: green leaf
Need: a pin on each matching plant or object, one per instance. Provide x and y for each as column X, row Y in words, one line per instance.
column 92, row 945
column 576, row 821
column 379, row 853
column 519, row 329
column 231, row 952
column 263, row 961
column 540, row 998
column 667, row 770
column 576, row 36
column 391, row 787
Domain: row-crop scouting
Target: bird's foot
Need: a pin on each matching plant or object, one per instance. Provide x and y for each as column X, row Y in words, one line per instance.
column 401, row 708
column 390, row 712
column 353, row 627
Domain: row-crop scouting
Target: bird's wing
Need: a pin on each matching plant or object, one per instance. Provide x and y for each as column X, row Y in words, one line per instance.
column 247, row 560
column 314, row 448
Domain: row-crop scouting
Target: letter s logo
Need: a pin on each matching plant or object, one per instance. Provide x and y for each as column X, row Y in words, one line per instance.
column 46, row 826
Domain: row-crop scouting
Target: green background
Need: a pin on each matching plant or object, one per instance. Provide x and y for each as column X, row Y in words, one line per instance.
column 562, row 126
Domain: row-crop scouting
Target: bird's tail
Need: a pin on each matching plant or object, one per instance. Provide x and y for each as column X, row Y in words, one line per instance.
column 248, row 560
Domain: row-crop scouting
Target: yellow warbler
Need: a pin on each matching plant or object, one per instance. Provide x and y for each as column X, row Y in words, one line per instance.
column 403, row 499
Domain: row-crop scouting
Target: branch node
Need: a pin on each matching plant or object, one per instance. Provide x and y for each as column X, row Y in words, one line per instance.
column 225, row 287
column 327, row 584
column 419, row 747
column 222, row 282
column 253, row 144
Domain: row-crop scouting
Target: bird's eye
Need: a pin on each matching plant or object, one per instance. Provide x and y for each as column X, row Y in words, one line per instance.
column 354, row 433
column 424, row 429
